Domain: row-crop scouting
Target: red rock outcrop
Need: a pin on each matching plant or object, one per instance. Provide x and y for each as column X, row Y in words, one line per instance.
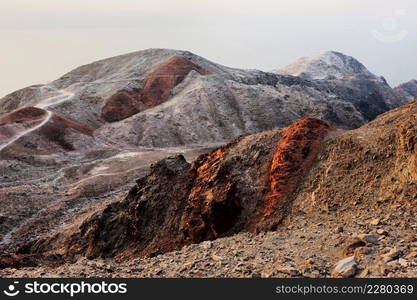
column 156, row 90
column 159, row 84
column 294, row 156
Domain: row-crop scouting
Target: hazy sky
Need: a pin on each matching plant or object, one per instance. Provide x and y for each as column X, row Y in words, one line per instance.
column 42, row 39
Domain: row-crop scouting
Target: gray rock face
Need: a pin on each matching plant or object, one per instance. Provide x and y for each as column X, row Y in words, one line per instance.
column 212, row 103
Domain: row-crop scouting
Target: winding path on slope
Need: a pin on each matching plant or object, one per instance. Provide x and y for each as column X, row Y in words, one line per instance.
column 54, row 100
column 23, row 133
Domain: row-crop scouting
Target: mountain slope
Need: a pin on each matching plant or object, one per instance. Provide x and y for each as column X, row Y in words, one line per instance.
column 408, row 89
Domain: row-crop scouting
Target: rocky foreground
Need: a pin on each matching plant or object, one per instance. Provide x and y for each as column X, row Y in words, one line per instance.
column 382, row 244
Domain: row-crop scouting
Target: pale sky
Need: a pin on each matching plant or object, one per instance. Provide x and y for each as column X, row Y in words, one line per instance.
column 43, row 39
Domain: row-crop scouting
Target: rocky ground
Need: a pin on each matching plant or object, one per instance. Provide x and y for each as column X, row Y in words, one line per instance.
column 383, row 244
column 169, row 98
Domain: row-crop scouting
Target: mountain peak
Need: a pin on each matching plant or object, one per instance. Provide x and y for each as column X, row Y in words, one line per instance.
column 325, row 65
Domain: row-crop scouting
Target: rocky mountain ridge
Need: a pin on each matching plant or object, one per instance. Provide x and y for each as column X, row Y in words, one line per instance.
column 169, row 98
column 327, row 65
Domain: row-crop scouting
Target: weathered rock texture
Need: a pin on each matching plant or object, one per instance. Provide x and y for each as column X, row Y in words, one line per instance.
column 296, row 153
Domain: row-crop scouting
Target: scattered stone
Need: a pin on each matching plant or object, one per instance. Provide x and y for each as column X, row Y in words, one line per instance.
column 266, row 274
column 339, row 229
column 207, row 245
column 383, row 270
column 362, row 251
column 289, row 270
column 368, row 238
column 391, row 255
column 412, row 254
column 382, row 232
column 364, row 273
column 217, row 258
column 375, row 221
column 346, row 267
column 403, row 262
column 409, row 239
column 315, row 274
column 352, row 244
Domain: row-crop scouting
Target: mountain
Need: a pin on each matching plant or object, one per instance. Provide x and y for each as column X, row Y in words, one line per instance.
column 362, row 181
column 327, row 65
column 168, row 98
column 407, row 89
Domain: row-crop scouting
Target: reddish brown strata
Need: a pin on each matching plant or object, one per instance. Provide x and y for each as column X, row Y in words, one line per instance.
column 295, row 154
column 55, row 130
column 121, row 106
column 17, row 120
column 156, row 90
column 159, row 84
column 23, row 115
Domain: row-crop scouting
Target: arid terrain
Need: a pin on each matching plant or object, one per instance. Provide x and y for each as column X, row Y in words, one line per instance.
column 160, row 163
